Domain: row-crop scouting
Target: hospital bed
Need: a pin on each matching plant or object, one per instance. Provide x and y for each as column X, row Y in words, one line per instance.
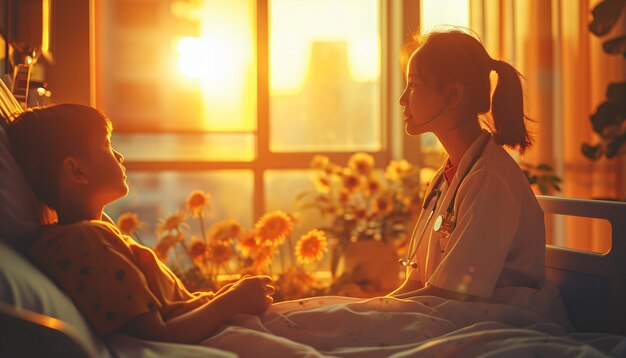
column 32, row 309
column 592, row 285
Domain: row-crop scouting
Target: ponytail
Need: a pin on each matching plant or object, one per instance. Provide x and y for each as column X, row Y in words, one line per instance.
column 507, row 109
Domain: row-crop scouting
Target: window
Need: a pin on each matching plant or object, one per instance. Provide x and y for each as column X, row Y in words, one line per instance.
column 236, row 97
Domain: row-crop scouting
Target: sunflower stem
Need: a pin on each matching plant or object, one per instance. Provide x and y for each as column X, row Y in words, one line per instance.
column 291, row 250
column 282, row 259
column 202, row 231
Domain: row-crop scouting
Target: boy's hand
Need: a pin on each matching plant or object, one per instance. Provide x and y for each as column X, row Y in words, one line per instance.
column 252, row 294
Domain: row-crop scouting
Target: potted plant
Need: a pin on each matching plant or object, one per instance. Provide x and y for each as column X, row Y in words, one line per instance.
column 609, row 120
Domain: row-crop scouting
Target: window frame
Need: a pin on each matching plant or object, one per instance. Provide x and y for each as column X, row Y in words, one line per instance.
column 394, row 17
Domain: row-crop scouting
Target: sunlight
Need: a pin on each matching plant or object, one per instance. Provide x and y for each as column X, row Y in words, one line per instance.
column 222, row 60
column 320, row 20
column 435, row 13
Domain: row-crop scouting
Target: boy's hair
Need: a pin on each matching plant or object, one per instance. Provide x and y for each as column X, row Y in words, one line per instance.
column 42, row 137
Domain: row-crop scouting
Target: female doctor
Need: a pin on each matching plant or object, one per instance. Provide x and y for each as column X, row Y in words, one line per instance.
column 481, row 234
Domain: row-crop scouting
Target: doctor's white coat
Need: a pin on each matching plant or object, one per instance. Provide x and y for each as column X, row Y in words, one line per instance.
column 497, row 248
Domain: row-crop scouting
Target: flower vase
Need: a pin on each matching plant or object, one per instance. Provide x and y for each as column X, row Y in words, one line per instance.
column 367, row 268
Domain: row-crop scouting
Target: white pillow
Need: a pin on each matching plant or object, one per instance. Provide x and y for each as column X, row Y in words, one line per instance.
column 22, row 285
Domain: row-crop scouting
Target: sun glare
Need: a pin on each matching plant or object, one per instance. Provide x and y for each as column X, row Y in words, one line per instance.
column 435, row 13
column 222, row 60
column 296, row 25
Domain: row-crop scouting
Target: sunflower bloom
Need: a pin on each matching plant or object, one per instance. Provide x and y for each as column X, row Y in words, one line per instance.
column 219, row 253
column 343, row 196
column 248, row 244
column 360, row 213
column 272, row 228
column 361, row 163
column 311, row 246
column 398, row 169
column 372, row 187
column 351, row 182
column 225, row 231
column 173, row 223
column 382, row 206
column 197, row 201
column 321, row 183
column 165, row 243
column 197, row 249
column 320, row 162
column 128, row 223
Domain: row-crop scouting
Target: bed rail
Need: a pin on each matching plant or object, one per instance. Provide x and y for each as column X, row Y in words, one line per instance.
column 593, row 285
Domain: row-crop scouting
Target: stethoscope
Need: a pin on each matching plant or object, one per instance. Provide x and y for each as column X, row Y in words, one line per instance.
column 444, row 223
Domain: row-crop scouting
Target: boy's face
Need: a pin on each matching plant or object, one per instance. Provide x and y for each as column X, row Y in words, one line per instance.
column 106, row 176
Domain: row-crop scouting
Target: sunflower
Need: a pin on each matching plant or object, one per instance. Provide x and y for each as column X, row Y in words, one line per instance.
column 372, row 187
column 128, row 223
column 320, row 162
column 219, row 253
column 197, row 249
column 225, row 231
column 383, row 206
column 311, row 246
column 398, row 169
column 351, row 182
column 196, row 201
column 272, row 228
column 165, row 243
column 321, row 182
column 343, row 196
column 360, row 213
column 248, row 244
column 361, row 163
column 174, row 222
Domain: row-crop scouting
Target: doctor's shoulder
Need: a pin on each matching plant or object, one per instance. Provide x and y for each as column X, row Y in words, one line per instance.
column 499, row 162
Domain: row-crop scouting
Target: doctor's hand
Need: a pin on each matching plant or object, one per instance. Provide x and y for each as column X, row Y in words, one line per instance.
column 251, row 294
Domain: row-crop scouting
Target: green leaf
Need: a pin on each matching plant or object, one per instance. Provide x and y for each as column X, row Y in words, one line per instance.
column 615, row 46
column 555, row 179
column 545, row 167
column 592, row 152
column 605, row 15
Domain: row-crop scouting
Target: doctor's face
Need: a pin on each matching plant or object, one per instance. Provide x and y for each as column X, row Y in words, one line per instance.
column 423, row 103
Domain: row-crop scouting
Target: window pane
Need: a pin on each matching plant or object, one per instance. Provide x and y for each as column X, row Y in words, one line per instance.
column 579, row 233
column 155, row 195
column 325, row 75
column 281, row 189
column 177, row 65
column 186, row 147
column 444, row 12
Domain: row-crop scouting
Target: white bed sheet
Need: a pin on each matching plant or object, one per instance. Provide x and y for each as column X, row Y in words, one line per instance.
column 418, row 327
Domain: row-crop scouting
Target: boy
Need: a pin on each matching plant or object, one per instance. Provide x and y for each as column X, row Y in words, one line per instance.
column 118, row 285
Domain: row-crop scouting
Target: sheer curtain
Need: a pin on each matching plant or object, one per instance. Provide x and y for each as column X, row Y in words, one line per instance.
column 566, row 75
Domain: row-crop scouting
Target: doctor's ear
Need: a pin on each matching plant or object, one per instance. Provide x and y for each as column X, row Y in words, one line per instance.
column 455, row 92
column 71, row 170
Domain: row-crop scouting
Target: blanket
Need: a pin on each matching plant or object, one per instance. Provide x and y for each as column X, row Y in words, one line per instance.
column 417, row 327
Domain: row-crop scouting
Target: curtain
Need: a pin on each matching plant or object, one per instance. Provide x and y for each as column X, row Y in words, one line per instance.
column 566, row 75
